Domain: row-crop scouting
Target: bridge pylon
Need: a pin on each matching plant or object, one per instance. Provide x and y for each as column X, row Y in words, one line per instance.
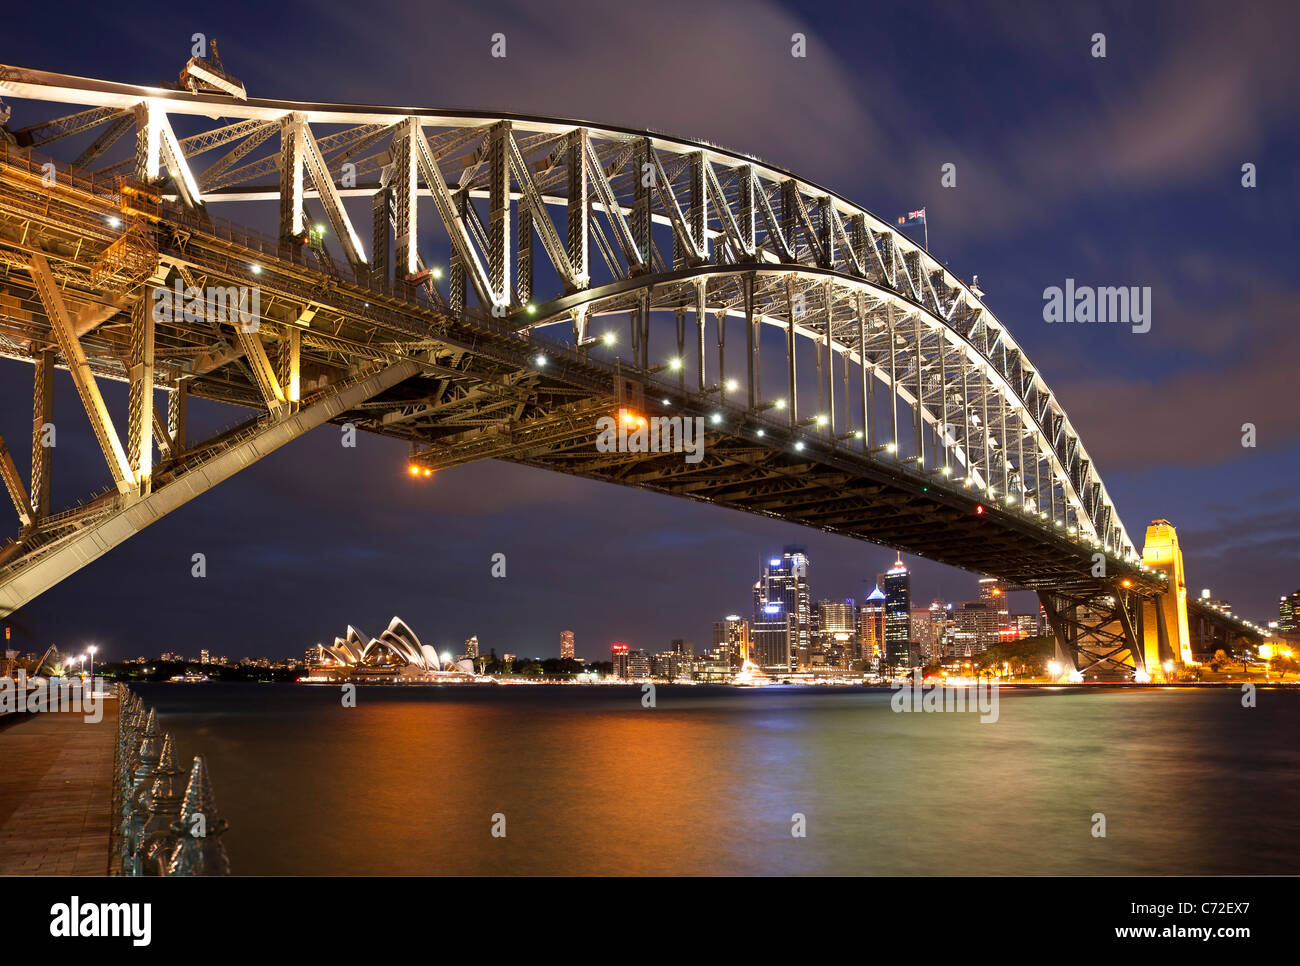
column 1166, row 640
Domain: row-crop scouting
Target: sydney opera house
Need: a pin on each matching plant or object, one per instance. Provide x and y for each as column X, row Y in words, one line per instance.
column 396, row 653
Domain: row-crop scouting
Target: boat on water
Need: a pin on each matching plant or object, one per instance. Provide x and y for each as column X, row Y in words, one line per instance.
column 751, row 675
column 190, row 678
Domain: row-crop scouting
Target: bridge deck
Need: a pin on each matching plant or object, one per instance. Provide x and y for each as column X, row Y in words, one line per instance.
column 55, row 793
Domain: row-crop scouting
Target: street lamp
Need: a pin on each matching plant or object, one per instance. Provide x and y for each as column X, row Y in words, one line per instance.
column 82, row 659
column 92, row 649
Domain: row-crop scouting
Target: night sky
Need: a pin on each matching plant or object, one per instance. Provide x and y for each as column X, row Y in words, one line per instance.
column 1117, row 171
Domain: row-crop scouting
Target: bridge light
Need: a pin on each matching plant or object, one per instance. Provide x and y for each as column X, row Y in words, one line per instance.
column 256, row 269
column 780, row 404
column 979, row 510
column 761, row 433
column 667, row 403
column 436, row 273
column 1127, row 583
column 717, row 418
column 799, row 445
column 858, row 434
column 947, row 471
column 114, row 221
column 674, row 364
column 428, row 472
column 821, row 419
column 891, row 447
column 540, row 360
column 610, row 338
column 415, row 470
column 532, row 309
column 732, row 385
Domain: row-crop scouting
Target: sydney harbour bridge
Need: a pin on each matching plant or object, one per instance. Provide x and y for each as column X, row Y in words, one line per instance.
column 846, row 379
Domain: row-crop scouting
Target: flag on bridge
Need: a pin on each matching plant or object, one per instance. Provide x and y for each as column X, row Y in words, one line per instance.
column 912, row 218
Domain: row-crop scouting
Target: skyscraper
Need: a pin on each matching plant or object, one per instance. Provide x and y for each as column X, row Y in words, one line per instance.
column 871, row 628
column 566, row 644
column 471, row 647
column 837, row 634
column 1288, row 613
column 731, row 639
column 994, row 593
column 769, row 636
column 618, row 655
column 783, row 595
column 684, row 653
column 898, row 616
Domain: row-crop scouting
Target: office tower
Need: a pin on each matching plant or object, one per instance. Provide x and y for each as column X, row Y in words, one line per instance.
column 664, row 664
column 471, row 647
column 685, row 652
column 731, row 639
column 638, row 664
column 980, row 621
column 566, row 644
column 1026, row 625
column 204, row 658
column 837, row 634
column 783, row 592
column 898, row 616
column 769, row 632
column 871, row 628
column 618, row 654
column 994, row 593
column 1288, row 613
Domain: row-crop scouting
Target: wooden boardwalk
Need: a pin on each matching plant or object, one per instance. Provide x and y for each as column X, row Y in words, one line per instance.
column 56, row 783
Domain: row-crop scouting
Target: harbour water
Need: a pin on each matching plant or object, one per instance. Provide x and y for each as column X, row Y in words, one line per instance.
column 413, row 779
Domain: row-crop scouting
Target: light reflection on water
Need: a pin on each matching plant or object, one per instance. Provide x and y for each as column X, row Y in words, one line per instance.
column 706, row 783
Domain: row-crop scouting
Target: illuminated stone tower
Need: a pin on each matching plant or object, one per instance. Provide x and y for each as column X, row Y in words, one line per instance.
column 1164, row 620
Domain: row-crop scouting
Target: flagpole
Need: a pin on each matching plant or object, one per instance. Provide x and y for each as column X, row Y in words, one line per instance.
column 926, row 221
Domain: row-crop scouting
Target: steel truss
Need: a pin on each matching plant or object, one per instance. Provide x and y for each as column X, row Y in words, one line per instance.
column 1099, row 630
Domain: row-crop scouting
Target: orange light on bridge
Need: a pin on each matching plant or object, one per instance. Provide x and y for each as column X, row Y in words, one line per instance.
column 630, row 419
column 417, row 470
column 1126, row 582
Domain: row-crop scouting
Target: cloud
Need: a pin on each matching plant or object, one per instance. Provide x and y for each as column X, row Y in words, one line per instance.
column 728, row 77
column 1186, row 93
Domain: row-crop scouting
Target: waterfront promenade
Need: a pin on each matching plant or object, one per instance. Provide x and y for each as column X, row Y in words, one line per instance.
column 56, row 784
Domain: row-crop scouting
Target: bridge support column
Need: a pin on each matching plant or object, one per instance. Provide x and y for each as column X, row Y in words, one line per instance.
column 791, row 375
column 178, row 407
column 42, row 428
column 1165, row 616
column 139, row 432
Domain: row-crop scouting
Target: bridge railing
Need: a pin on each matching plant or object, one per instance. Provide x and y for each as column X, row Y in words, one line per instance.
column 165, row 818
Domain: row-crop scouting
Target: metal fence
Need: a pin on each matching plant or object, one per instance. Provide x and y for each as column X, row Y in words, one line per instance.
column 165, row 821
